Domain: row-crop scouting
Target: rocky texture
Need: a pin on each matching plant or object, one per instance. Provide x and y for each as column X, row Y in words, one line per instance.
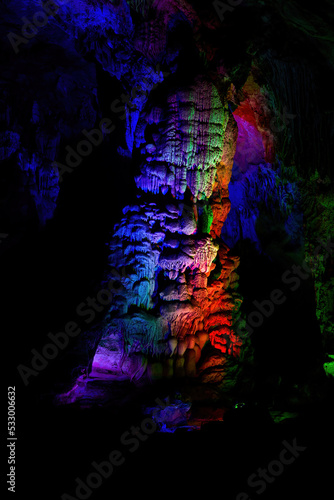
column 329, row 367
column 43, row 109
column 225, row 131
column 172, row 243
column 319, row 235
column 189, row 140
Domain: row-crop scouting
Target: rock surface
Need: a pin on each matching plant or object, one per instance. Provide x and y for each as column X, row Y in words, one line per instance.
column 224, row 133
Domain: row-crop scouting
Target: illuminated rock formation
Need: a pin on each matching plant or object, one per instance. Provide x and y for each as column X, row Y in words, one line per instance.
column 217, row 164
column 176, row 244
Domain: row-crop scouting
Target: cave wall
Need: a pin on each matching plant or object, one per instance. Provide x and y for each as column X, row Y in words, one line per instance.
column 218, row 155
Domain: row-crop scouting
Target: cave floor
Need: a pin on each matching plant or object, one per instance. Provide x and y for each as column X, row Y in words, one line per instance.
column 187, row 404
column 225, row 443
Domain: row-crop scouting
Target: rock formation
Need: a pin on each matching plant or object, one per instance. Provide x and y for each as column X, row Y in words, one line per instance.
column 215, row 138
column 170, row 242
